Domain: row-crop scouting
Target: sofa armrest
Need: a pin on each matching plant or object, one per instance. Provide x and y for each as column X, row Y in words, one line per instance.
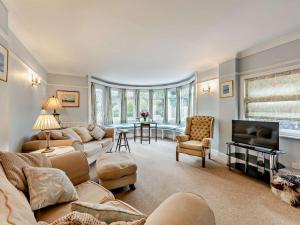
column 182, row 208
column 182, row 137
column 109, row 132
column 74, row 164
column 39, row 144
column 206, row 142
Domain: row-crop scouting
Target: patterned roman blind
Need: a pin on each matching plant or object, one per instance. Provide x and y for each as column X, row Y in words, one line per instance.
column 273, row 97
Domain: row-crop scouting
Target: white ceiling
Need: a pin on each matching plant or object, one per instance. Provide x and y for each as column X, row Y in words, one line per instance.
column 145, row 41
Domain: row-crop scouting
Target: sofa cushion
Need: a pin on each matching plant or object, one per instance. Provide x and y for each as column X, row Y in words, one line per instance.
column 88, row 192
column 92, row 148
column 106, row 142
column 48, row 186
column 13, row 164
column 10, row 197
column 115, row 165
column 195, row 145
column 97, row 133
column 84, row 134
column 108, row 212
column 57, row 135
column 70, row 133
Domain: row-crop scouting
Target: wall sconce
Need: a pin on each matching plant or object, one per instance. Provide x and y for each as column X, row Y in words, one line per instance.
column 206, row 89
column 35, row 80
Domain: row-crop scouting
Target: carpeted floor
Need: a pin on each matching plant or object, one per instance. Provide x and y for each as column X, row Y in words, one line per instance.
column 235, row 199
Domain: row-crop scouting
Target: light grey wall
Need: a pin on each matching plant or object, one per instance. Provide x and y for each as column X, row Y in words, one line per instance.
column 71, row 116
column 208, row 103
column 19, row 101
column 279, row 57
column 270, row 60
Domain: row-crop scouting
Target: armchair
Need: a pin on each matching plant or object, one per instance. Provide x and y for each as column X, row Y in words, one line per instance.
column 197, row 137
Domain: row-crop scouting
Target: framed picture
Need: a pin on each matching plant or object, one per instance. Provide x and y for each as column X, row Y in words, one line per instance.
column 226, row 89
column 68, row 98
column 3, row 63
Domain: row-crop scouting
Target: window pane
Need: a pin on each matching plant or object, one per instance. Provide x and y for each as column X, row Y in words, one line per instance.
column 158, row 105
column 99, row 104
column 172, row 106
column 184, row 103
column 131, row 114
column 116, row 105
column 144, row 100
column 192, row 100
column 274, row 97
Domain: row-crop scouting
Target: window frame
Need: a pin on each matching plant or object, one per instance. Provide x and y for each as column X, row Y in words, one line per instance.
column 153, row 102
column 134, row 106
column 120, row 109
column 286, row 133
column 168, row 99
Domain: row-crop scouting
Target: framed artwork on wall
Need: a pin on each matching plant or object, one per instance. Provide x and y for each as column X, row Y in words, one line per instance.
column 226, row 89
column 3, row 63
column 69, row 99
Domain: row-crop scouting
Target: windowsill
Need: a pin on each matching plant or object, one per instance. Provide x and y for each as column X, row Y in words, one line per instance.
column 292, row 134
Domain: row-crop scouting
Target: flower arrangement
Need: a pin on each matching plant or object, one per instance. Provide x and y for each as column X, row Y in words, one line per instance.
column 145, row 114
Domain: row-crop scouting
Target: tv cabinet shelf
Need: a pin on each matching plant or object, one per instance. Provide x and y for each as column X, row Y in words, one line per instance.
column 254, row 161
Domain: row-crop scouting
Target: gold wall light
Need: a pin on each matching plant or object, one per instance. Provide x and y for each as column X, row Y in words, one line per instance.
column 35, row 80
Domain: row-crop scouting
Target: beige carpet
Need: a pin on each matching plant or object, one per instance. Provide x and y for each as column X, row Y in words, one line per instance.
column 235, row 199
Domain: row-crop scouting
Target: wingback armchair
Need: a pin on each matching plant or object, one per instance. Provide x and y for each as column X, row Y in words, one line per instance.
column 197, row 137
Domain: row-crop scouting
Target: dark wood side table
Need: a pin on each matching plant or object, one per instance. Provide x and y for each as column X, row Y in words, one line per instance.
column 122, row 135
column 143, row 125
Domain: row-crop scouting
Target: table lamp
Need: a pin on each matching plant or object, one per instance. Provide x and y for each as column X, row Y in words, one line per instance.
column 54, row 104
column 45, row 123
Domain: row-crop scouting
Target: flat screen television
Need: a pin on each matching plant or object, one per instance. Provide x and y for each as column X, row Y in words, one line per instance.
column 256, row 133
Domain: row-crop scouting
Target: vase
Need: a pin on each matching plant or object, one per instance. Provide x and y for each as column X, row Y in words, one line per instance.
column 145, row 119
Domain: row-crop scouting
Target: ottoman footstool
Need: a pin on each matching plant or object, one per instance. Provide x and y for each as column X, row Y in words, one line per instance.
column 116, row 170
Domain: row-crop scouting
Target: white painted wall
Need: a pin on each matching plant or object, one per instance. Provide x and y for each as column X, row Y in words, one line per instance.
column 19, row 101
column 208, row 103
column 71, row 116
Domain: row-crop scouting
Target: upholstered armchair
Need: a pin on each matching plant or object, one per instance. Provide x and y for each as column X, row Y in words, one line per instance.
column 197, row 137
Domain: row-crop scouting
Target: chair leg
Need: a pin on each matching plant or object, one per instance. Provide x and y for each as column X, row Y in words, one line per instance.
column 132, row 187
column 203, row 161
column 177, row 156
column 209, row 157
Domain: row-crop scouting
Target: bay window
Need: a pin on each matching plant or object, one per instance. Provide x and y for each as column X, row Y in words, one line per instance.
column 116, row 105
column 184, row 103
column 144, row 100
column 158, row 105
column 172, row 105
column 131, row 108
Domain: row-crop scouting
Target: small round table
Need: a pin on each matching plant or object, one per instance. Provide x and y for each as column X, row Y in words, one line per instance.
column 122, row 134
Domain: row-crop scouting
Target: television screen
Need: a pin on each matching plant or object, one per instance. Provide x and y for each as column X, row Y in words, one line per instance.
column 256, row 133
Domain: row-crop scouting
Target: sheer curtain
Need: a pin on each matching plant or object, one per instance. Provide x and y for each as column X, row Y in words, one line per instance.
column 98, row 95
column 165, row 120
column 151, row 103
column 137, row 103
column 108, row 107
column 178, row 119
column 123, row 106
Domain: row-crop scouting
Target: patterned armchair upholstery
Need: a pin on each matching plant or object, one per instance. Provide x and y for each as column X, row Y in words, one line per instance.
column 197, row 137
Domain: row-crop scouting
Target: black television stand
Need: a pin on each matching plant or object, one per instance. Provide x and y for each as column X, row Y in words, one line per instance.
column 254, row 161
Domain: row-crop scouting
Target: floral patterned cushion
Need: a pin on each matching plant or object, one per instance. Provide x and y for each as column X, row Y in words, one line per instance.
column 48, row 186
column 107, row 212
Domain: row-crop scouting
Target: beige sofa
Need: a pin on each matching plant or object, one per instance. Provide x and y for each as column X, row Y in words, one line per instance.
column 179, row 209
column 92, row 149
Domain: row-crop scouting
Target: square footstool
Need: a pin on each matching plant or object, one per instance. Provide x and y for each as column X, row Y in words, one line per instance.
column 116, row 170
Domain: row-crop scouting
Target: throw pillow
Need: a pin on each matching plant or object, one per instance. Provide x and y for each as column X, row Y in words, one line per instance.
column 48, row 186
column 97, row 133
column 56, row 135
column 84, row 134
column 106, row 212
column 70, row 133
column 14, row 207
column 13, row 164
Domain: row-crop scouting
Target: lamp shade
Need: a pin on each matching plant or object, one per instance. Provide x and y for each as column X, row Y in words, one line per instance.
column 53, row 104
column 45, row 122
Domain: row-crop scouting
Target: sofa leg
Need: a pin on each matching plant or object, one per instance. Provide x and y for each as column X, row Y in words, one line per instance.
column 177, row 156
column 132, row 187
column 203, row 161
column 209, row 157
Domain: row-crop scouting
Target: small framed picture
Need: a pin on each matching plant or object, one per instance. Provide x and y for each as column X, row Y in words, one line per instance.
column 68, row 98
column 3, row 63
column 226, row 89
